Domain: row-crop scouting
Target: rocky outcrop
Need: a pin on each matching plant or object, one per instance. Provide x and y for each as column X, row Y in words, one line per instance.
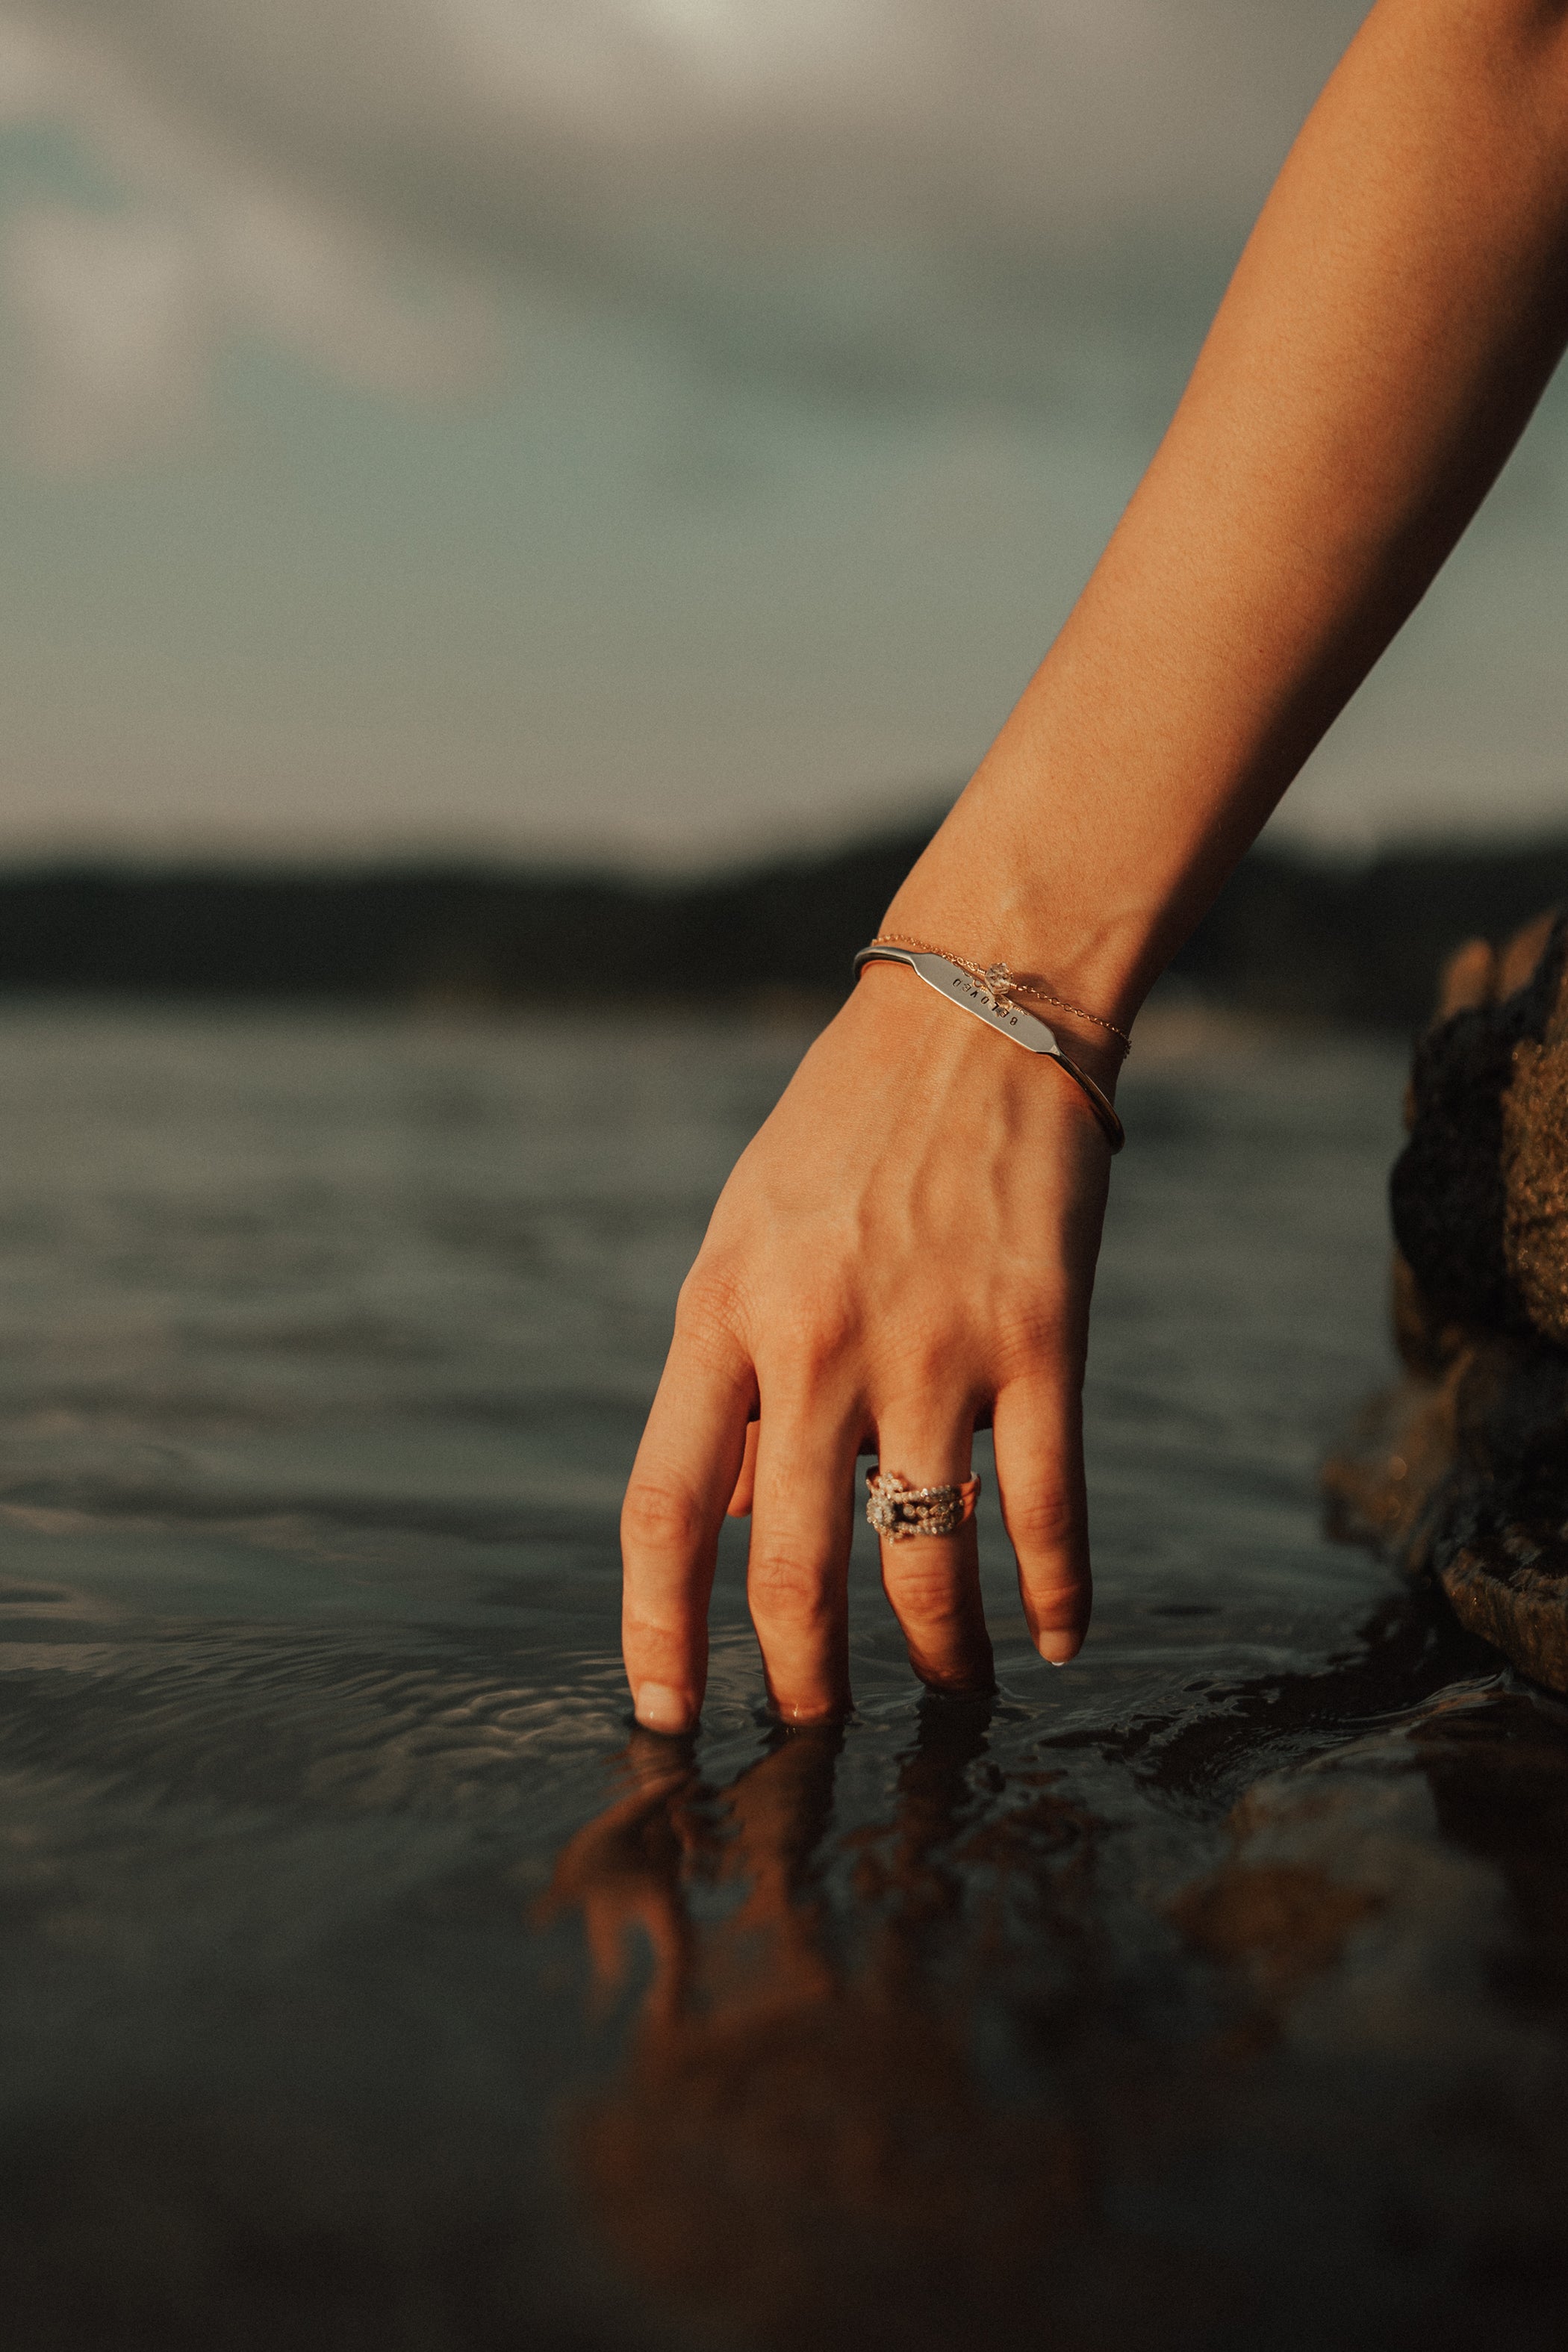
column 1461, row 1472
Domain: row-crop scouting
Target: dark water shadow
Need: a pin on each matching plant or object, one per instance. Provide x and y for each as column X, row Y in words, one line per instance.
column 1183, row 2041
column 803, row 2142
column 990, row 2069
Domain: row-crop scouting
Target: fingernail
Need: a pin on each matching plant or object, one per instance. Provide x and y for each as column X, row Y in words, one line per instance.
column 659, row 1708
column 1058, row 1648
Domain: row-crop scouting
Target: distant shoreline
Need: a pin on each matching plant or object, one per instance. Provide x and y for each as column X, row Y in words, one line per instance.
column 1288, row 936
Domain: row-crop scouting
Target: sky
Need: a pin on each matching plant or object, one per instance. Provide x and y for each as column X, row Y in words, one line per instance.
column 653, row 432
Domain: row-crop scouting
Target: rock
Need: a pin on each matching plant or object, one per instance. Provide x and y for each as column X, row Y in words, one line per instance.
column 1461, row 1472
column 1535, row 1179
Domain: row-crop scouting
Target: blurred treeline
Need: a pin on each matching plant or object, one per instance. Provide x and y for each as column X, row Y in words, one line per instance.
column 1287, row 937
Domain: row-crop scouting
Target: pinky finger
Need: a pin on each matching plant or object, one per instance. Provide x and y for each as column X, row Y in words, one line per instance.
column 1038, row 1434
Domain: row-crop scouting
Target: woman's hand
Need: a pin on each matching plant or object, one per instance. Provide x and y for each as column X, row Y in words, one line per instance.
column 904, row 1253
column 907, row 1248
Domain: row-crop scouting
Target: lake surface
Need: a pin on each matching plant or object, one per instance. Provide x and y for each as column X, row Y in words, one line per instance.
column 366, row 1984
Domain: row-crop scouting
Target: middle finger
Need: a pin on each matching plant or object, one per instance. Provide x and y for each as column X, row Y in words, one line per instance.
column 797, row 1571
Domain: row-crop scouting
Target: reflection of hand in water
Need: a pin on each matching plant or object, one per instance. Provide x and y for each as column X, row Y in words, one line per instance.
column 799, row 2127
column 921, row 2083
column 624, row 1871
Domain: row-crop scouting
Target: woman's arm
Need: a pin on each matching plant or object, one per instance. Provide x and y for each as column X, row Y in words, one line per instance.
column 1393, row 321
column 907, row 1248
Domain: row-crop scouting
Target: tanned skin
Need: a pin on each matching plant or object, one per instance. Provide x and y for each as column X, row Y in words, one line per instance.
column 907, row 1249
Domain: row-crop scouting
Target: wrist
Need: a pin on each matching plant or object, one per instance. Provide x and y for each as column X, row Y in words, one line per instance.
column 1095, row 1041
column 1068, row 863
column 1083, row 973
column 896, row 1003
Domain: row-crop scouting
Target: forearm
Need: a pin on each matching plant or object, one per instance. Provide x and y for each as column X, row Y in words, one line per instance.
column 1394, row 318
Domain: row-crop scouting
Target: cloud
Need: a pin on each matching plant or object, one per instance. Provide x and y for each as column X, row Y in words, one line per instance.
column 117, row 347
column 879, row 199
column 124, row 306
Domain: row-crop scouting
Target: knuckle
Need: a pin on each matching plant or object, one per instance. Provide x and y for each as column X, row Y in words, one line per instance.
column 1033, row 1336
column 928, row 1365
column 810, row 1337
column 662, row 1515
column 804, row 1329
column 782, row 1584
column 931, row 1597
column 1066, row 1610
column 1028, row 1338
column 1043, row 1518
column 707, row 1312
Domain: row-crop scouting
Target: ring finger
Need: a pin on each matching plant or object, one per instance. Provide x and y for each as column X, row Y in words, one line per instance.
column 933, row 1581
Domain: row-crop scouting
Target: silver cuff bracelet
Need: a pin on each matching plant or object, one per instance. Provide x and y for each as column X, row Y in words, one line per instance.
column 1025, row 1029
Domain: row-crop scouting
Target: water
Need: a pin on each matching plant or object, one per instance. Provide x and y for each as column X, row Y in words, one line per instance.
column 364, row 1983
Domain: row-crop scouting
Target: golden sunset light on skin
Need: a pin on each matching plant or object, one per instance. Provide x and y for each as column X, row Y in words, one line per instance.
column 907, row 1248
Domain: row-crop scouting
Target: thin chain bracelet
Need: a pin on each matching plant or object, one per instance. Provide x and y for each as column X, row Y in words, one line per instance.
column 989, row 1001
column 997, row 985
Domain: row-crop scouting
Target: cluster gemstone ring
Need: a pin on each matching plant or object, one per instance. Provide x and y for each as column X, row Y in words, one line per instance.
column 897, row 1510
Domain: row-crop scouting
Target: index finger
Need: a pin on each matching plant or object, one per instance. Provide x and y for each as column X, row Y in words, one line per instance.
column 681, row 1482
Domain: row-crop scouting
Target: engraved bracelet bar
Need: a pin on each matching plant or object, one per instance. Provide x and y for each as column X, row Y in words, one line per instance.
column 1025, row 1029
